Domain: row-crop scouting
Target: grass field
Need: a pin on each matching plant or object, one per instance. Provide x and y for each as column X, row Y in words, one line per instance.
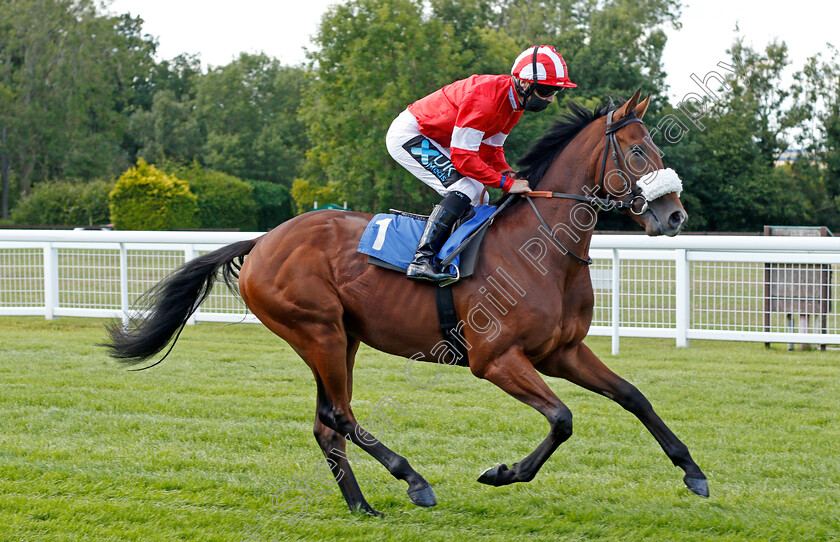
column 196, row 448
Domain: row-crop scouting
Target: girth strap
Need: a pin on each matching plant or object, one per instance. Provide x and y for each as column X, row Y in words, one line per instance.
column 448, row 318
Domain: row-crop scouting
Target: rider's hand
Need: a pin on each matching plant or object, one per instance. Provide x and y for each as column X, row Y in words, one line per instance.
column 520, row 186
column 510, row 173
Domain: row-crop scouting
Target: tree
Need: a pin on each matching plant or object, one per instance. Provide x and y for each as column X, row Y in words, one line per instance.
column 178, row 76
column 760, row 90
column 170, row 130
column 163, row 124
column 249, row 111
column 375, row 57
column 725, row 148
column 66, row 77
column 611, row 47
column 817, row 174
column 616, row 47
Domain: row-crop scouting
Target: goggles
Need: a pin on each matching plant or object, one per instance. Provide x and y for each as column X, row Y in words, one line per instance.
column 546, row 91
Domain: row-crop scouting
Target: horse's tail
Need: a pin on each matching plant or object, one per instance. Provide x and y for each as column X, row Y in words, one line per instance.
column 162, row 312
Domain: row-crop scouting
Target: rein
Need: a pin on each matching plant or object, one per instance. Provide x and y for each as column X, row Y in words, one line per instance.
column 608, row 203
column 586, row 261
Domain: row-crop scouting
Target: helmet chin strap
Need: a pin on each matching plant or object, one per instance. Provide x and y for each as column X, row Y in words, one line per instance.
column 526, row 94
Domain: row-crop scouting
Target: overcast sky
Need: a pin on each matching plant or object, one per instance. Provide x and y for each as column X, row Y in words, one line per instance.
column 220, row 29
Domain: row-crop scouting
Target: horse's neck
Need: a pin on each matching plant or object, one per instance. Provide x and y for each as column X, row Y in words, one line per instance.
column 571, row 222
column 571, row 170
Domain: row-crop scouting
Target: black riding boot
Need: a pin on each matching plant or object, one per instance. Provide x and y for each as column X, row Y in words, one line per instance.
column 437, row 230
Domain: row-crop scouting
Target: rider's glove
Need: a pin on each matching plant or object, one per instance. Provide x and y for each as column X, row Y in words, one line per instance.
column 510, row 173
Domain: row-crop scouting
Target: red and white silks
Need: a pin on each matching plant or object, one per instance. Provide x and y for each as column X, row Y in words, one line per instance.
column 468, row 121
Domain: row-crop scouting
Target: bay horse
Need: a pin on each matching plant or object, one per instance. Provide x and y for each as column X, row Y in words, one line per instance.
column 308, row 284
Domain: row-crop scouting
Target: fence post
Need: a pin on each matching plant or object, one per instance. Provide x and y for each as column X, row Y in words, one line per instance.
column 190, row 254
column 124, row 284
column 50, row 281
column 683, row 292
column 616, row 276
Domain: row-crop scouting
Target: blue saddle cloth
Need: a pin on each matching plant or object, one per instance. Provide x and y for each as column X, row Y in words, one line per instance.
column 393, row 238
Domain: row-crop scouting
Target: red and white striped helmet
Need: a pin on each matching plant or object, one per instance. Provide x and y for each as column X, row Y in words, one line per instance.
column 551, row 68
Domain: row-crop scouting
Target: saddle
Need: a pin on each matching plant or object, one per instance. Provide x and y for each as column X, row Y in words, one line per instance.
column 390, row 240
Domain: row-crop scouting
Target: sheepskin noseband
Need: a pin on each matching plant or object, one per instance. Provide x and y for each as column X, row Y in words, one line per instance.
column 658, row 183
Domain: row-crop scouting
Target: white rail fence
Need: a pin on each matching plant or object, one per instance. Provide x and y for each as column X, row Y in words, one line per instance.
column 742, row 288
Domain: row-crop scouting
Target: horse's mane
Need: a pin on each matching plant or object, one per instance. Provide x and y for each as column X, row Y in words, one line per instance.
column 542, row 152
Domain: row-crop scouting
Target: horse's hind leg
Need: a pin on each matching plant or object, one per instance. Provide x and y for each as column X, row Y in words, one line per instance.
column 335, row 413
column 580, row 366
column 334, row 445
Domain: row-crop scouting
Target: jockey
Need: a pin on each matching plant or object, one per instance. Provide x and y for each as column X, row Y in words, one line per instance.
column 452, row 140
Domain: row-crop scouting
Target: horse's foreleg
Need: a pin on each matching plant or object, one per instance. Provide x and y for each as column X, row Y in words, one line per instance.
column 515, row 374
column 580, row 366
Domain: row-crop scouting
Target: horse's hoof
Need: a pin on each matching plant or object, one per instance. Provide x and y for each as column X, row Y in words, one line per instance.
column 493, row 476
column 368, row 511
column 698, row 486
column 423, row 496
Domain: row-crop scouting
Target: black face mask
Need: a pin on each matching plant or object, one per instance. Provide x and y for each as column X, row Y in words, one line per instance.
column 531, row 100
column 535, row 103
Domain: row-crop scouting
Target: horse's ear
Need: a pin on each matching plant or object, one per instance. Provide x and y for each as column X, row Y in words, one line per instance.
column 642, row 107
column 629, row 105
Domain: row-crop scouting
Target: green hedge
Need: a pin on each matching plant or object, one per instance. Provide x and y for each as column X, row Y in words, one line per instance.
column 146, row 198
column 224, row 201
column 64, row 203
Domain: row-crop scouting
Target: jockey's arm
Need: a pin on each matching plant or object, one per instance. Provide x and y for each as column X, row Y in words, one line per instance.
column 492, row 148
column 493, row 154
column 470, row 164
column 475, row 153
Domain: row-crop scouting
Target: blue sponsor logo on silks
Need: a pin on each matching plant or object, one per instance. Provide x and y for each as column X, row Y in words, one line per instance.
column 424, row 151
column 443, row 169
column 432, row 160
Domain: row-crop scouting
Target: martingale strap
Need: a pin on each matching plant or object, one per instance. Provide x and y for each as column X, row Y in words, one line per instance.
column 586, row 261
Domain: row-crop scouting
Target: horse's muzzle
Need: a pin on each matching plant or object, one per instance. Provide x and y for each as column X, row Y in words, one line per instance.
column 664, row 222
column 676, row 221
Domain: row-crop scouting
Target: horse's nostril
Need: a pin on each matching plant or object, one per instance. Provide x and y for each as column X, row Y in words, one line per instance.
column 676, row 219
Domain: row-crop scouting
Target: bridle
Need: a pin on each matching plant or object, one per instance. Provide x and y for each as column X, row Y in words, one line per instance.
column 635, row 193
column 623, row 170
column 611, row 147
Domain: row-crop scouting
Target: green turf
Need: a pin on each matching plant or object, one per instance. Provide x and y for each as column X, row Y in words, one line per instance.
column 196, row 448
